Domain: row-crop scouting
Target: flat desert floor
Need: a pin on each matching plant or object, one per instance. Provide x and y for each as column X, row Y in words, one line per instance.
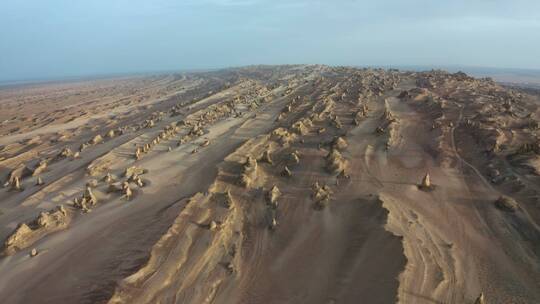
column 270, row 184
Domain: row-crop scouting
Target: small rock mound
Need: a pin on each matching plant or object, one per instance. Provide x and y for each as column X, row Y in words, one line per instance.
column 110, row 134
column 284, row 136
column 20, row 172
column 286, row 172
column 339, row 143
column 426, row 184
column 228, row 202
column 273, row 223
column 40, row 167
column 335, row 162
column 126, row 190
column 294, row 158
column 302, row 127
column 134, row 171
column 266, row 157
column 249, row 172
column 336, row 122
column 96, row 140
column 321, row 195
column 109, row 178
column 273, row 196
column 16, row 185
column 65, row 153
column 480, row 299
column 88, row 198
column 506, row 203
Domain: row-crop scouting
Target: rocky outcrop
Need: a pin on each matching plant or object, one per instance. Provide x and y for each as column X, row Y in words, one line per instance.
column 321, row 195
column 28, row 233
column 335, row 162
column 17, row 174
column 249, row 172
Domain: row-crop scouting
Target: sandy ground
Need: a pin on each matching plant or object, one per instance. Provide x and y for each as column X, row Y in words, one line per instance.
column 348, row 221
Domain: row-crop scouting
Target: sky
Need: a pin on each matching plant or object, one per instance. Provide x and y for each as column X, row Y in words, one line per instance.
column 41, row 39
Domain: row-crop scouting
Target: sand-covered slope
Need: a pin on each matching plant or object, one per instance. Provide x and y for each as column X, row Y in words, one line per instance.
column 270, row 184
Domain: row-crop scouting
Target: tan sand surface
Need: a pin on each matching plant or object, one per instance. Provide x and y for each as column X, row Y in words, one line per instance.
column 270, row 184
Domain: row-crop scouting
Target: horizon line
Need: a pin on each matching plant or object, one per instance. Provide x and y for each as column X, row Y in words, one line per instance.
column 116, row 75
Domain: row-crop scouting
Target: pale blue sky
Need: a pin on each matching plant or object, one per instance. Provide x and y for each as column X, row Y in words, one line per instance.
column 57, row 38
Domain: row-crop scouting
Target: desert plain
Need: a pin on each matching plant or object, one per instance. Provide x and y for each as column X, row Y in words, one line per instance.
column 270, row 184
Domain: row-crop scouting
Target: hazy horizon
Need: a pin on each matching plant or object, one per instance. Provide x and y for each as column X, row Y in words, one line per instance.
column 470, row 70
column 61, row 38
